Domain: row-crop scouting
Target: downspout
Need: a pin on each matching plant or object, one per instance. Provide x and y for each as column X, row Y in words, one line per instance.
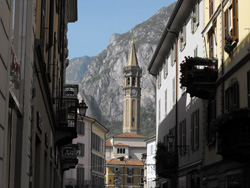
column 91, row 171
column 176, row 105
column 222, row 60
column 176, row 108
column 63, row 7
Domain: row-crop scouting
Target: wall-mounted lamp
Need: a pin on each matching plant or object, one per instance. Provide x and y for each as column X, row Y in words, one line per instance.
column 82, row 109
column 183, row 148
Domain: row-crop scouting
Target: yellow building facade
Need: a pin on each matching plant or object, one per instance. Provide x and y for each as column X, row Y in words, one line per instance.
column 124, row 173
column 226, row 33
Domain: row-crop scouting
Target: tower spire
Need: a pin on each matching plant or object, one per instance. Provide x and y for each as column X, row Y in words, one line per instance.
column 132, row 59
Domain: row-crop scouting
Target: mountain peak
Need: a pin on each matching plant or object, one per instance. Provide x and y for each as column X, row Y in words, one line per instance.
column 102, row 83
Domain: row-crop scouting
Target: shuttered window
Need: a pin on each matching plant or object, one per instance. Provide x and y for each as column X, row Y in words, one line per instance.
column 235, row 19
column 80, row 176
column 195, row 130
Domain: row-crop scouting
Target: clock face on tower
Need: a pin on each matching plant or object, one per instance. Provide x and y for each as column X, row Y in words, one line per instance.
column 133, row 91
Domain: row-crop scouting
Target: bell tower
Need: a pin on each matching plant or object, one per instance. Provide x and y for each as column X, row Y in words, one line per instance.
column 132, row 93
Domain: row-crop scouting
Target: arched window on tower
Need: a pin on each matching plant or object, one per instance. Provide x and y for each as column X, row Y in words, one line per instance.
column 133, row 81
column 128, row 81
column 133, row 112
column 127, row 113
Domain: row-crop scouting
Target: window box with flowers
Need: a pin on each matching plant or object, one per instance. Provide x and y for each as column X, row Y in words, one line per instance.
column 230, row 44
column 198, row 75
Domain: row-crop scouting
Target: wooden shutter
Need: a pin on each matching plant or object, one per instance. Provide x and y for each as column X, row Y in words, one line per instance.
column 210, row 8
column 226, row 23
column 235, row 20
column 180, row 137
column 211, row 43
column 197, row 130
column 192, row 131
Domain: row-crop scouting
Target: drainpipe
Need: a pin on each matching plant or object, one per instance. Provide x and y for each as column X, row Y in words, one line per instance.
column 222, row 60
column 63, row 7
column 91, row 171
column 176, row 107
column 176, row 104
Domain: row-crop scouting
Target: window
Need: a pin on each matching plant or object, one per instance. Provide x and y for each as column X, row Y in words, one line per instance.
column 182, row 137
column 195, row 130
column 235, row 19
column 80, row 176
column 211, row 42
column 195, row 18
column 151, row 150
column 173, row 89
column 211, row 115
column 159, row 79
column 159, row 110
column 81, row 149
column 130, row 171
column 128, row 81
column 211, row 8
column 116, row 169
column 196, row 51
column 120, row 150
column 166, row 101
column 248, row 88
column 133, row 113
column 130, row 179
column 133, row 81
column 141, row 179
column 43, row 14
column 142, row 171
column 231, row 20
column 166, row 67
column 232, row 95
column 80, row 127
column 182, row 37
column 173, row 55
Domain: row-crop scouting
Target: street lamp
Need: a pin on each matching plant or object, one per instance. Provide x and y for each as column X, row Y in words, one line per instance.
column 82, row 109
column 143, row 157
column 183, row 148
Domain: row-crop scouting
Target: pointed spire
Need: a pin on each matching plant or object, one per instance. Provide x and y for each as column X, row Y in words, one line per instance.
column 132, row 59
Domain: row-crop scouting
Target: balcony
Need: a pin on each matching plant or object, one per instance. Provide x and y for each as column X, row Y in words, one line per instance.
column 198, row 75
column 66, row 122
column 69, row 156
column 67, row 115
column 234, row 135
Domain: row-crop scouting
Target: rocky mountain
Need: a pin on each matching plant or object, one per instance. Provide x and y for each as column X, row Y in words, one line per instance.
column 102, row 83
column 76, row 69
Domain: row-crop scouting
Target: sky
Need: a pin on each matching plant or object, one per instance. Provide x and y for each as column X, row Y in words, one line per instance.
column 99, row 19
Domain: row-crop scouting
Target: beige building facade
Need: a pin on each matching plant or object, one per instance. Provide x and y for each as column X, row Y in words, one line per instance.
column 32, row 125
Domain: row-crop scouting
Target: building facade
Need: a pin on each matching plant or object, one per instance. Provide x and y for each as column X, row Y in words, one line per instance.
column 227, row 37
column 34, row 128
column 90, row 170
column 150, row 163
column 179, row 114
column 129, row 145
column 202, row 69
column 122, row 172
